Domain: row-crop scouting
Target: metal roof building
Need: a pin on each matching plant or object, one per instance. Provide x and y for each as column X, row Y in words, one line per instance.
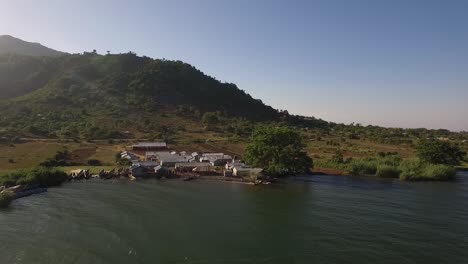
column 150, row 146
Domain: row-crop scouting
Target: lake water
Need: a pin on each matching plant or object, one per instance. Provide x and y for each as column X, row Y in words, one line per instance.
column 316, row 219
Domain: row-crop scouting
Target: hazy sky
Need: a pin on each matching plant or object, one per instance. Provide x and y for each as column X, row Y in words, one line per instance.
column 383, row 62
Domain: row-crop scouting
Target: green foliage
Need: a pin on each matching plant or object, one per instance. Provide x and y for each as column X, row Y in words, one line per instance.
column 42, row 176
column 363, row 167
column 415, row 170
column 6, row 198
column 278, row 150
column 124, row 162
column 439, row 172
column 71, row 95
column 61, row 158
column 440, row 152
column 392, row 166
column 387, row 171
column 211, row 118
column 410, row 169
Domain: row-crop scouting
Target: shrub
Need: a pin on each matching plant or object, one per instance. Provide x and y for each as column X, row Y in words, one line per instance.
column 439, row 172
column 414, row 170
column 390, row 160
column 211, row 118
column 440, row 152
column 410, row 169
column 42, row 176
column 387, row 171
column 6, row 198
column 10, row 179
column 124, row 162
column 363, row 167
column 61, row 158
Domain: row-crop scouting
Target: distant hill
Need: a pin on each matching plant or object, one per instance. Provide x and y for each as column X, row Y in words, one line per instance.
column 99, row 96
column 92, row 96
column 123, row 81
column 12, row 45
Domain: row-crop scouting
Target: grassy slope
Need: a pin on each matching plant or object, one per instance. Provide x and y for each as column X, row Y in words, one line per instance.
column 30, row 154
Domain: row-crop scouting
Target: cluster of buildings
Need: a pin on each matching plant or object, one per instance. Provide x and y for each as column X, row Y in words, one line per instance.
column 158, row 160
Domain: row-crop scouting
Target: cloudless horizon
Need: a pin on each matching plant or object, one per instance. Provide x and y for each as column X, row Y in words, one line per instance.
column 388, row 63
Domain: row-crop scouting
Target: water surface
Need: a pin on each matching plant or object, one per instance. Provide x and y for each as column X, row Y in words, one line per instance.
column 315, row 219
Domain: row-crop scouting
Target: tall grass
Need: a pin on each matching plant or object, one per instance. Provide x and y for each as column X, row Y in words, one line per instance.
column 363, row 167
column 387, row 171
column 414, row 170
column 394, row 167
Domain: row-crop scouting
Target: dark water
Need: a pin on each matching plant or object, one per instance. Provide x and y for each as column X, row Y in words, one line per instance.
column 319, row 219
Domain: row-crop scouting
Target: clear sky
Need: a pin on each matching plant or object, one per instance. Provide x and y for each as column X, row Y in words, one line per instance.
column 397, row 63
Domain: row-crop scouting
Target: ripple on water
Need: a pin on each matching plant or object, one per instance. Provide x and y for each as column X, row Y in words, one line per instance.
column 312, row 219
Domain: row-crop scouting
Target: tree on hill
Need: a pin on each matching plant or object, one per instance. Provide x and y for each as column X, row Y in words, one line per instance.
column 278, row 150
column 210, row 118
column 440, row 152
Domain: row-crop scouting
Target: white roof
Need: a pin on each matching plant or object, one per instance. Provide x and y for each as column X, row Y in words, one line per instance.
column 239, row 168
column 193, row 164
column 216, row 156
column 212, row 154
column 150, row 144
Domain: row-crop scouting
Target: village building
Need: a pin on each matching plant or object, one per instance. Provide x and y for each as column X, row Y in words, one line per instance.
column 138, row 171
column 245, row 171
column 233, row 163
column 193, row 166
column 147, row 146
column 171, row 161
column 196, row 157
column 156, row 155
column 143, row 168
column 149, row 164
column 216, row 159
column 128, row 155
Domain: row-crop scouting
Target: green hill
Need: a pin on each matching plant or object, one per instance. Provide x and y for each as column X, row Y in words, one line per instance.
column 98, row 96
column 12, row 45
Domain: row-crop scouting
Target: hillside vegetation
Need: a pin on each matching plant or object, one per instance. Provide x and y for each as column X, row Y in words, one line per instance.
column 12, row 45
column 72, row 95
column 120, row 98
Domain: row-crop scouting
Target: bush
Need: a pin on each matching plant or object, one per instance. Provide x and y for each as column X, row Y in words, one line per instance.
column 410, row 169
column 440, row 152
column 124, row 162
column 414, row 170
column 390, row 160
column 6, row 198
column 43, row 176
column 61, row 158
column 437, row 173
column 363, row 167
column 211, row 118
column 387, row 171
column 10, row 179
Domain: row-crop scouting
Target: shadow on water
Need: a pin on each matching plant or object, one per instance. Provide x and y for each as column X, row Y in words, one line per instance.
column 310, row 219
